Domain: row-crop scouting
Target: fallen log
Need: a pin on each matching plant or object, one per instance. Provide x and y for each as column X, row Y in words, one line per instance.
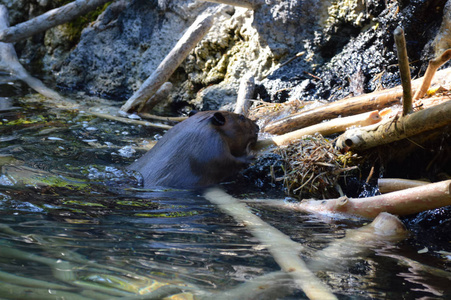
column 391, row 130
column 48, row 20
column 349, row 106
column 401, row 203
column 326, row 128
column 189, row 40
column 10, row 62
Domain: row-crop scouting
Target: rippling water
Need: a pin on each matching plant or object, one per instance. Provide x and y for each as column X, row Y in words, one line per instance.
column 73, row 225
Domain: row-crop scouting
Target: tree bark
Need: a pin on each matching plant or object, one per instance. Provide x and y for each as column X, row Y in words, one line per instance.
column 404, row 70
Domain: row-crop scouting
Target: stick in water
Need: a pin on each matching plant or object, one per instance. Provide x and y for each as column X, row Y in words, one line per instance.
column 282, row 248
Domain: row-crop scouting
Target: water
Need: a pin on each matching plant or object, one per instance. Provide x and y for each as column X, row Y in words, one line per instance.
column 74, row 225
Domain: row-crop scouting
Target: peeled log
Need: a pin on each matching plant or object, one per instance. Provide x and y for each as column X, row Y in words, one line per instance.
column 326, row 128
column 350, row 106
column 394, row 130
column 401, row 203
column 388, row 185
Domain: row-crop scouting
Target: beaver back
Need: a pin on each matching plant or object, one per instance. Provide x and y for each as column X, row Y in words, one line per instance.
column 203, row 150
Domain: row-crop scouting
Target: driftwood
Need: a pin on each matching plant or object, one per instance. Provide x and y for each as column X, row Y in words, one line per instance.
column 189, row 40
column 404, row 70
column 326, row 128
column 349, row 106
column 393, row 130
column 401, row 203
column 245, row 94
column 388, row 185
column 283, row 249
column 10, row 62
column 48, row 20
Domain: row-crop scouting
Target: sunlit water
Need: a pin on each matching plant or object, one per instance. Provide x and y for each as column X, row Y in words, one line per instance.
column 100, row 237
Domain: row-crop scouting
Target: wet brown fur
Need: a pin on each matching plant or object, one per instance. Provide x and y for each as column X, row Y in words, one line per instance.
column 203, row 150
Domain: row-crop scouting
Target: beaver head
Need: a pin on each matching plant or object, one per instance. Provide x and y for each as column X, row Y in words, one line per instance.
column 205, row 149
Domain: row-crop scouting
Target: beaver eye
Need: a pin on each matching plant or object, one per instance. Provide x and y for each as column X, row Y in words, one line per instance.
column 241, row 117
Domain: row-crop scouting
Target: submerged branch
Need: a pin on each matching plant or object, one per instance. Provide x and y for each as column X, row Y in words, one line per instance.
column 283, row 249
column 128, row 121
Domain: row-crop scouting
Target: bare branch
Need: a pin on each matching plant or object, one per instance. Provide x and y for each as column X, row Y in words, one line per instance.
column 48, row 20
column 404, row 70
column 189, row 40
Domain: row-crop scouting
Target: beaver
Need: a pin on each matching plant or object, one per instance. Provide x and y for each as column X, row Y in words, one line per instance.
column 207, row 148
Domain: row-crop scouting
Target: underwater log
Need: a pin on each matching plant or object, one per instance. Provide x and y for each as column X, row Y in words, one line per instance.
column 385, row 229
column 281, row 247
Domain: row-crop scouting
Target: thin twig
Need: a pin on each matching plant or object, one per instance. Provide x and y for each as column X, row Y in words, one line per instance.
column 404, row 70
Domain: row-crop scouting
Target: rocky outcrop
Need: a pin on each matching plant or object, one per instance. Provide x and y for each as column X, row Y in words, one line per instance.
column 348, row 48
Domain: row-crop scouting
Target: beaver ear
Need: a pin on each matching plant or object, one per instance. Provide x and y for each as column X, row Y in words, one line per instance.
column 218, row 119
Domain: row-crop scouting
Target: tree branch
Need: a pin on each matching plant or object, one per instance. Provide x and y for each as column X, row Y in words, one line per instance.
column 48, row 20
